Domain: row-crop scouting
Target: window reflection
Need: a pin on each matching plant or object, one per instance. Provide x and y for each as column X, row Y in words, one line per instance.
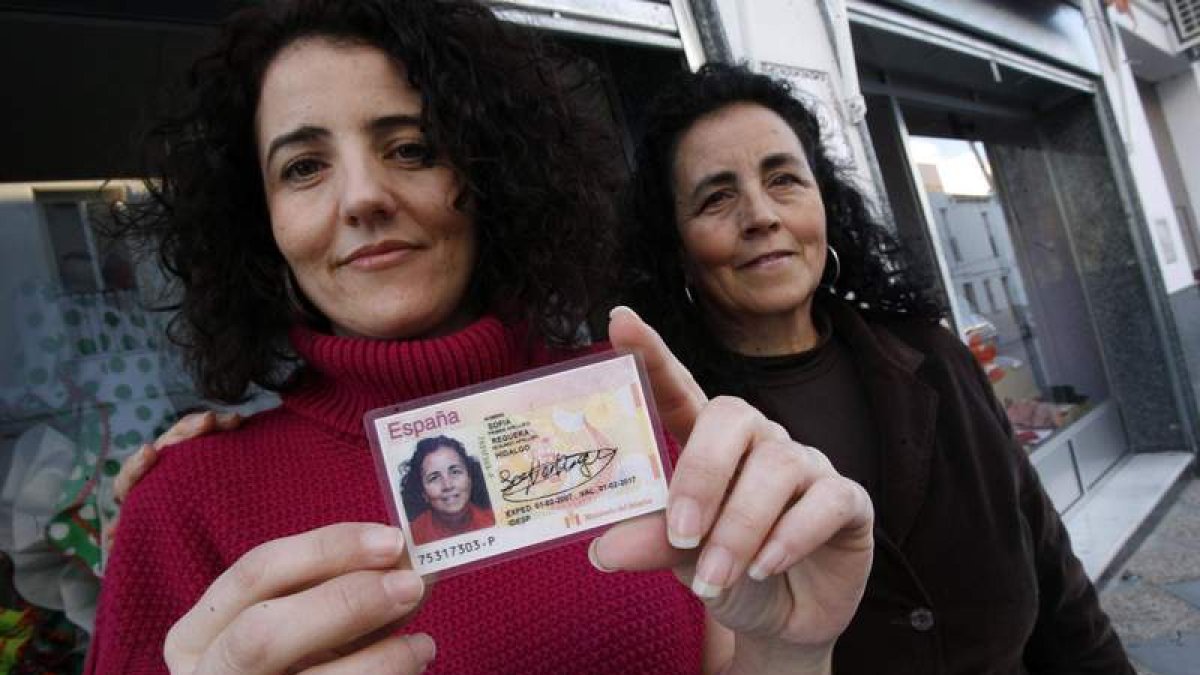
column 996, row 296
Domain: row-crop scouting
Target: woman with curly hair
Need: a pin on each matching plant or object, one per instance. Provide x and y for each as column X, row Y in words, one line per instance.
column 372, row 201
column 759, row 262
column 444, row 491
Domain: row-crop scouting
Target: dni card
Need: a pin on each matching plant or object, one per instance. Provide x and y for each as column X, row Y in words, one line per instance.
column 513, row 466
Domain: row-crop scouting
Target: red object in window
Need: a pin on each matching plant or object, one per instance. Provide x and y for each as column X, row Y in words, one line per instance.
column 1121, row 5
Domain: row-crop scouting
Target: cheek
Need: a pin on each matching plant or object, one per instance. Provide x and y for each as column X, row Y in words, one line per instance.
column 300, row 240
column 707, row 248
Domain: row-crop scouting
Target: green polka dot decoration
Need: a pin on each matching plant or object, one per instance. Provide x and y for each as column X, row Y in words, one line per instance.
column 87, row 346
column 111, row 467
column 128, row 343
column 138, row 320
column 105, row 342
column 123, row 392
column 38, row 376
column 116, row 364
column 151, row 391
column 143, row 413
column 74, row 540
column 72, row 317
column 86, row 301
column 91, row 387
column 152, row 343
column 111, row 319
column 35, row 319
column 144, row 365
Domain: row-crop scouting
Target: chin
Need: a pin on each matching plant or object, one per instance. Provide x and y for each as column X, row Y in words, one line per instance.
column 400, row 323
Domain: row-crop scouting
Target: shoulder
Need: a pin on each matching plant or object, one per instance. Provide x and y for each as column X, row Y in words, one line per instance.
column 937, row 344
column 201, row 469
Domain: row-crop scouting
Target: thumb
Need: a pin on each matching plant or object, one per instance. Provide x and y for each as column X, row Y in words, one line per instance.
column 637, row 545
column 678, row 398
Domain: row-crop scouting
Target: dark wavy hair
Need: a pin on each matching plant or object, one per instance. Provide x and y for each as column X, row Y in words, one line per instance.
column 500, row 104
column 412, row 492
column 876, row 271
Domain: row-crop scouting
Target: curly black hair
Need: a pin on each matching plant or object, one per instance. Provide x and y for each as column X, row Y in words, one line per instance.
column 412, row 491
column 875, row 269
column 498, row 102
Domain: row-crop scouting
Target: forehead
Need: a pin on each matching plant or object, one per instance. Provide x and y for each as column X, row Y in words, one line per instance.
column 442, row 456
column 318, row 81
column 735, row 137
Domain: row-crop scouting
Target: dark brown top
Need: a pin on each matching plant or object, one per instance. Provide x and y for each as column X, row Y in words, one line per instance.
column 819, row 398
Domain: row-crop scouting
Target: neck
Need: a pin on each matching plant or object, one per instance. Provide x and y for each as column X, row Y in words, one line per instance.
column 791, row 332
column 453, row 520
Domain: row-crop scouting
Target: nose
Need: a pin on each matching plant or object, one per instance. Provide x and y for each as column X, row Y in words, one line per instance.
column 367, row 198
column 759, row 214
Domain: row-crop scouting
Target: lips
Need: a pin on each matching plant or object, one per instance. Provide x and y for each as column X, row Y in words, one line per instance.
column 766, row 260
column 377, row 255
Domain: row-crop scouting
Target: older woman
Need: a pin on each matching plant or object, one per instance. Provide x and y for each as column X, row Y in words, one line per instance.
column 374, row 201
column 764, row 271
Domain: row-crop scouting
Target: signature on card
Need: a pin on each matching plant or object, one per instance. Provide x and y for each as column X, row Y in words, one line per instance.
column 562, row 474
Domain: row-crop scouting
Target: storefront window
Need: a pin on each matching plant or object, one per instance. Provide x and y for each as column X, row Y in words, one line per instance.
column 1000, row 300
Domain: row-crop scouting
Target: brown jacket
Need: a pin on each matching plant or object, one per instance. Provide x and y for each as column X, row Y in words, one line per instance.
column 973, row 570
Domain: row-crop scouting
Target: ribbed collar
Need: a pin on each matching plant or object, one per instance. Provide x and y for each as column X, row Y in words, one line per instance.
column 345, row 377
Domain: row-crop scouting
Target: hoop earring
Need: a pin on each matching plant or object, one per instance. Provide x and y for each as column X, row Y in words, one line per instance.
column 301, row 307
column 837, row 268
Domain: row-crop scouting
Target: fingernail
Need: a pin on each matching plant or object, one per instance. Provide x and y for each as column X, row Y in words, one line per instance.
column 402, row 585
column 768, row 562
column 422, row 645
column 683, row 523
column 620, row 309
column 712, row 572
column 383, row 542
column 594, row 557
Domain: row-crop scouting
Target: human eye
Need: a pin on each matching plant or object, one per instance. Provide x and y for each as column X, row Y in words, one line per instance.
column 412, row 152
column 302, row 169
column 784, row 179
column 433, row 476
column 714, row 200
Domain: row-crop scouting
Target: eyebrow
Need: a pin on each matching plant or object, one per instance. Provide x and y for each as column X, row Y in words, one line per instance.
column 776, row 160
column 304, row 134
column 309, row 133
column 392, row 122
column 719, row 178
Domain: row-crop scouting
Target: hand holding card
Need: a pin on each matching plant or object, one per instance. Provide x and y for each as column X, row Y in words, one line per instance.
column 764, row 529
column 258, row 617
column 513, row 466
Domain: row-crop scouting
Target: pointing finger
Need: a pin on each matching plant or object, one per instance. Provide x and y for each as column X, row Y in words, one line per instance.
column 678, row 397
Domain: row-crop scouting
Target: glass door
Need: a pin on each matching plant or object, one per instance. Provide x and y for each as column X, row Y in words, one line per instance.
column 1020, row 305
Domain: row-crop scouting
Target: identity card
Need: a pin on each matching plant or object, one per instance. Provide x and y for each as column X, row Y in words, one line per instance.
column 513, row 466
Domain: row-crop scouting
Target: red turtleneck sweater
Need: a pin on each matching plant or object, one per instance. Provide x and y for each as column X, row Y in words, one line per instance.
column 307, row 464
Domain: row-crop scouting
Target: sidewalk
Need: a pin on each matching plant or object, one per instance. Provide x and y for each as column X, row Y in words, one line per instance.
column 1154, row 597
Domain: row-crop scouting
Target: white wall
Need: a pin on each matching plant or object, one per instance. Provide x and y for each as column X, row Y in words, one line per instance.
column 1148, row 177
column 789, row 39
column 1180, row 98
